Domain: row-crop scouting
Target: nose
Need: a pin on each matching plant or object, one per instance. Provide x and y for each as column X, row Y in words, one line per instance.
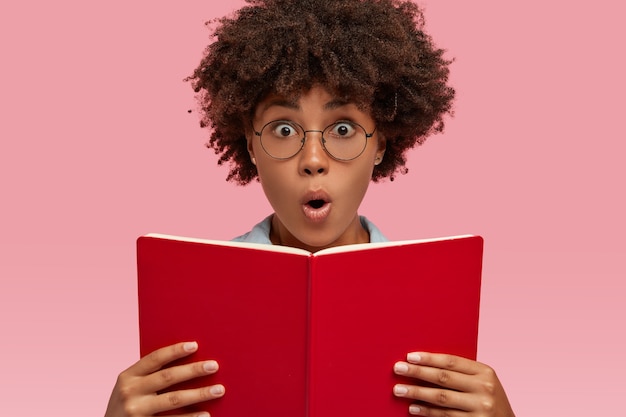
column 313, row 158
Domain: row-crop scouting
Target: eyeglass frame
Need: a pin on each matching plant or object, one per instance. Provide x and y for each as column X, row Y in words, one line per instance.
column 303, row 139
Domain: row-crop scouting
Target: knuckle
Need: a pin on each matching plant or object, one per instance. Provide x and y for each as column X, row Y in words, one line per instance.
column 490, row 372
column 154, row 357
column 490, row 380
column 167, row 376
column 126, row 389
column 443, row 377
column 442, row 398
column 131, row 409
column 174, row 399
column 126, row 393
column 489, row 387
column 488, row 406
column 450, row 361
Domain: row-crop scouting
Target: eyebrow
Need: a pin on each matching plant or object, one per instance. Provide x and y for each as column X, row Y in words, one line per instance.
column 293, row 105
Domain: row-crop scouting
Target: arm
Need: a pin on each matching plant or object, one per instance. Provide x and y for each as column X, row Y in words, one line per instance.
column 135, row 393
column 463, row 387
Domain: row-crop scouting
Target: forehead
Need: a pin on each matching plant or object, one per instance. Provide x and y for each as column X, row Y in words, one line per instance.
column 317, row 96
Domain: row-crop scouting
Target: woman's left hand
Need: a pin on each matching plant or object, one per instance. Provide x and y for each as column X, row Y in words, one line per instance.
column 463, row 387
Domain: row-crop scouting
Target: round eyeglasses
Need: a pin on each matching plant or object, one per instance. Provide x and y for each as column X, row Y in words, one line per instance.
column 342, row 140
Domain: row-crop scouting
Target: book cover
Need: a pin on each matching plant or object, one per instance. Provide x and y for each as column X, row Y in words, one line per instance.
column 302, row 334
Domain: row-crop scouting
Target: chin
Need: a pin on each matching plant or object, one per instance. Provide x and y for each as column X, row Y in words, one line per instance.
column 317, row 243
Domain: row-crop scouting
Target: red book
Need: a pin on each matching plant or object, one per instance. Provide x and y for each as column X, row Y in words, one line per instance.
column 301, row 334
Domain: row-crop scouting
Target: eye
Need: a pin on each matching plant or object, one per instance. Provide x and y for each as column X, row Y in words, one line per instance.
column 341, row 130
column 282, row 129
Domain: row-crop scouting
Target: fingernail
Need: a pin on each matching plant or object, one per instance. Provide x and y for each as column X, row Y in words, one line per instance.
column 210, row 366
column 217, row 390
column 400, row 390
column 413, row 357
column 190, row 346
column 414, row 409
column 203, row 415
column 401, row 368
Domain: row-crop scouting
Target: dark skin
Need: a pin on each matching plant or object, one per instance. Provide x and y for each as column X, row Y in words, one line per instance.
column 464, row 387
column 373, row 54
column 135, row 392
column 467, row 388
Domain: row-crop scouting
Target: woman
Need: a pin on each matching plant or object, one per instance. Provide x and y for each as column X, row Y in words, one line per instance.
column 315, row 99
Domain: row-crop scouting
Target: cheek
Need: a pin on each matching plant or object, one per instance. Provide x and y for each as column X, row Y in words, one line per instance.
column 275, row 181
column 270, row 170
column 358, row 181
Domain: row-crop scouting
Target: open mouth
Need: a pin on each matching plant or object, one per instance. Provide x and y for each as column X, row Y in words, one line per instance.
column 316, row 204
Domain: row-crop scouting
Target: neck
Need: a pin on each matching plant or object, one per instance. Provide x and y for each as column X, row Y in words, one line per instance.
column 355, row 233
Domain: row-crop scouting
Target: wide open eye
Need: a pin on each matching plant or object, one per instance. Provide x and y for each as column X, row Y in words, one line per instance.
column 282, row 139
column 281, row 129
column 341, row 130
column 345, row 140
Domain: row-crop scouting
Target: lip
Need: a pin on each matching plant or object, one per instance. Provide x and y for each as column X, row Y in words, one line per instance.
column 316, row 214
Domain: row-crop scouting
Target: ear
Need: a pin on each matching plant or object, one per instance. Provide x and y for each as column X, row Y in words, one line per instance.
column 249, row 137
column 382, row 147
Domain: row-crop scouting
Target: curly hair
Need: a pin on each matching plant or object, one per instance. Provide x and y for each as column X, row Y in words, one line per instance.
column 374, row 53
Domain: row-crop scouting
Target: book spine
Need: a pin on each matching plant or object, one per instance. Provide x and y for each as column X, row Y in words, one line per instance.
column 310, row 358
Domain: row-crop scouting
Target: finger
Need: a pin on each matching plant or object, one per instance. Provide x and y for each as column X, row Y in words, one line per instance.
column 167, row 377
column 193, row 414
column 176, row 399
column 157, row 359
column 445, row 361
column 439, row 397
column 442, row 377
column 424, row 410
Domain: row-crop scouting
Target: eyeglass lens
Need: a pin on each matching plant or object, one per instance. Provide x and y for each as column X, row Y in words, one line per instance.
column 343, row 140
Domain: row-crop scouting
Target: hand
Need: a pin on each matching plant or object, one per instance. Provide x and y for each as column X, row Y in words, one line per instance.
column 135, row 393
column 463, row 387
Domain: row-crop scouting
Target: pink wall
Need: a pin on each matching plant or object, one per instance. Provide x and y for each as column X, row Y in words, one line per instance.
column 98, row 148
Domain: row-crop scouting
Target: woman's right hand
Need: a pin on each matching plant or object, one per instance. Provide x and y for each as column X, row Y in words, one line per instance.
column 135, row 392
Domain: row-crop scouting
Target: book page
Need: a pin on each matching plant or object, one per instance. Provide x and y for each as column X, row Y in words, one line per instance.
column 298, row 251
column 368, row 246
column 248, row 245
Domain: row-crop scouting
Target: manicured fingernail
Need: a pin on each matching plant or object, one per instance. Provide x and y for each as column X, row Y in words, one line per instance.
column 217, row 390
column 190, row 346
column 400, row 390
column 210, row 366
column 414, row 409
column 413, row 357
column 203, row 415
column 401, row 368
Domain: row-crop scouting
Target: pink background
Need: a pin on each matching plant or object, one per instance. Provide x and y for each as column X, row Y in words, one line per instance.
column 98, row 148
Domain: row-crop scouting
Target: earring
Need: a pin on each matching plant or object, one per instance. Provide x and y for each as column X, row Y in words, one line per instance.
column 253, row 159
column 378, row 160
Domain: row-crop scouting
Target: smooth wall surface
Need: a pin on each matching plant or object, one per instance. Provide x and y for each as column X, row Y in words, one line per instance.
column 98, row 147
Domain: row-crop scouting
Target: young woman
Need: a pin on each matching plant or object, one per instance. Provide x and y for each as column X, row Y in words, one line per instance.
column 315, row 99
